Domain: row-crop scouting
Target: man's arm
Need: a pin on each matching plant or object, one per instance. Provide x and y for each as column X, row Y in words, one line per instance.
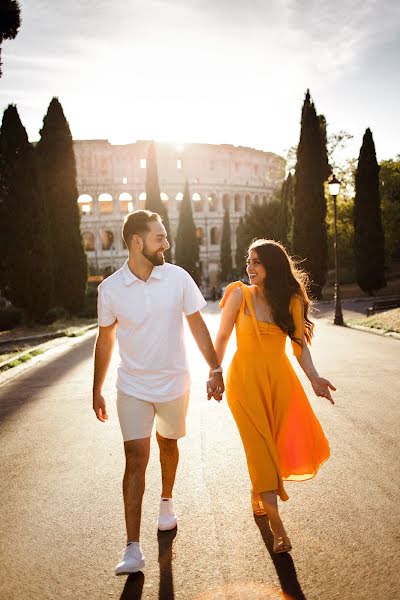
column 102, row 356
column 203, row 340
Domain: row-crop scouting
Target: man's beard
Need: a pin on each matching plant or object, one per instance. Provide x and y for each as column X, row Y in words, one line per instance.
column 155, row 258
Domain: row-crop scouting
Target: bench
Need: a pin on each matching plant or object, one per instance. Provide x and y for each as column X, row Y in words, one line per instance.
column 380, row 305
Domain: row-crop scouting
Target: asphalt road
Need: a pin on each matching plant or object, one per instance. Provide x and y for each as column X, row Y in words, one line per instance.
column 62, row 527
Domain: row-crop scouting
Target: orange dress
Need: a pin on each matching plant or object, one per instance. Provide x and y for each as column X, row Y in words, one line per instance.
column 281, row 435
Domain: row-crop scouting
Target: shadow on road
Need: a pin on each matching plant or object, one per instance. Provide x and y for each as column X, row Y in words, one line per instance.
column 133, row 587
column 283, row 563
column 165, row 556
column 29, row 385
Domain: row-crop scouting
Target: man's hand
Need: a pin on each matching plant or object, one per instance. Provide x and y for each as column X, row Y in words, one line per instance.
column 215, row 386
column 99, row 406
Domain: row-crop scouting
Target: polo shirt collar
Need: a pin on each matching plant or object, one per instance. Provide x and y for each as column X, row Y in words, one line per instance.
column 130, row 277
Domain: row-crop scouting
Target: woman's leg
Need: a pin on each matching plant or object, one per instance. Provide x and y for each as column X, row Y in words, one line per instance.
column 281, row 540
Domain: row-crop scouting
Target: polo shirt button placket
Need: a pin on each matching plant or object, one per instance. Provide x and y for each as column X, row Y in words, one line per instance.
column 147, row 299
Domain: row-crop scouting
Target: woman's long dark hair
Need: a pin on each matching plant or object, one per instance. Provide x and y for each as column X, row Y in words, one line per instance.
column 283, row 280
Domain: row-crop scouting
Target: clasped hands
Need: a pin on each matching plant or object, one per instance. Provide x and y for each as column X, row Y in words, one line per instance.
column 215, row 386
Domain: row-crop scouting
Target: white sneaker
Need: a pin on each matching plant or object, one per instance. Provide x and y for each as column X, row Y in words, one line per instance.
column 167, row 518
column 132, row 560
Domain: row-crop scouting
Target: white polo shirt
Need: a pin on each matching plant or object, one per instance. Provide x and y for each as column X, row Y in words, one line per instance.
column 154, row 364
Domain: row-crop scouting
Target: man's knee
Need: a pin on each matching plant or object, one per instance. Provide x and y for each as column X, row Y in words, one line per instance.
column 167, row 445
column 137, row 453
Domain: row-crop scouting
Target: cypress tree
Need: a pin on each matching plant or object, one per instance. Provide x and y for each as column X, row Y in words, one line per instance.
column 25, row 252
column 10, row 21
column 369, row 246
column 153, row 199
column 286, row 213
column 241, row 247
column 312, row 170
column 226, row 249
column 187, row 245
column 58, row 171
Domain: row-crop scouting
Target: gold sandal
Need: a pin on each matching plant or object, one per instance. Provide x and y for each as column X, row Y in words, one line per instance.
column 257, row 505
column 281, row 544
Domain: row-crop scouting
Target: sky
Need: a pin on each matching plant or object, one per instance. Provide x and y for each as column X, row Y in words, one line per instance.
column 208, row 71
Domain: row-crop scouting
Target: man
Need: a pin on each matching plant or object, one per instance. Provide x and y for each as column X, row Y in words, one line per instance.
column 142, row 304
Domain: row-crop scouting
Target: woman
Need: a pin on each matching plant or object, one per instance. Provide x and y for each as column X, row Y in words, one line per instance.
column 282, row 437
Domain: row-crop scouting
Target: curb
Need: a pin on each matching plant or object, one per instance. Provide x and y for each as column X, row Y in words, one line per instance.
column 375, row 331
column 47, row 338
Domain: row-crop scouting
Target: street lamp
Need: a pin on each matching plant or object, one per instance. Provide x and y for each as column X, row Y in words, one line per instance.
column 334, row 187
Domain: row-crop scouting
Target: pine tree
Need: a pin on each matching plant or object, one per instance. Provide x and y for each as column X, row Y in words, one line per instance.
column 153, row 198
column 312, row 170
column 58, row 171
column 25, row 251
column 226, row 248
column 10, row 21
column 369, row 244
column 187, row 245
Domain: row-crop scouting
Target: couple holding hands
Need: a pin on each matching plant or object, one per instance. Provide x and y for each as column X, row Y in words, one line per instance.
column 142, row 305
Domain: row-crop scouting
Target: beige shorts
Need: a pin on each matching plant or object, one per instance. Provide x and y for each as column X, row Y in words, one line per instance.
column 136, row 417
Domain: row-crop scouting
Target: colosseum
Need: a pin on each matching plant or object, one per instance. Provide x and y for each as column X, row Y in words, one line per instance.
column 111, row 183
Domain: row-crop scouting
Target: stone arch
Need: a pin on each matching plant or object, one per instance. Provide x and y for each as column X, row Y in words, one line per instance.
column 107, row 239
column 212, row 202
column 214, row 236
column 142, row 200
column 179, row 197
column 105, row 203
column 238, row 203
column 197, row 202
column 226, row 201
column 125, row 202
column 256, row 199
column 247, row 202
column 85, row 202
column 88, row 241
column 200, row 235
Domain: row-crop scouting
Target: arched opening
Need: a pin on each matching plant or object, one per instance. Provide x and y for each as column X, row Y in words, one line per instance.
column 200, row 235
column 88, row 241
column 164, row 197
column 247, row 202
column 107, row 239
column 214, row 236
column 264, row 200
column 105, row 204
column 256, row 200
column 179, row 197
column 226, row 200
column 142, row 200
column 125, row 202
column 212, row 202
column 237, row 203
column 85, row 204
column 197, row 202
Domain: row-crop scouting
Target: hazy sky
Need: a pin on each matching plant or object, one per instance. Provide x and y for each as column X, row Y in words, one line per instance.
column 216, row 71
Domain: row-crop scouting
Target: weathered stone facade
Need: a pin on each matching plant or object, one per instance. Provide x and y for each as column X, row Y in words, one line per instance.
column 111, row 183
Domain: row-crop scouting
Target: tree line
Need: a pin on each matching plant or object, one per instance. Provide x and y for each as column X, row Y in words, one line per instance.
column 42, row 259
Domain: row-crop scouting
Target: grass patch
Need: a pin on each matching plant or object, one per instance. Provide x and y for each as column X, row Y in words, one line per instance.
column 387, row 321
column 21, row 359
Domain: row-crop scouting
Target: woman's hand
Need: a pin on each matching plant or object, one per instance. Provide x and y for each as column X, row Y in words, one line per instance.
column 321, row 388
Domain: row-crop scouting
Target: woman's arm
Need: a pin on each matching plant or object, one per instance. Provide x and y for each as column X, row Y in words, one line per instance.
column 320, row 385
column 228, row 318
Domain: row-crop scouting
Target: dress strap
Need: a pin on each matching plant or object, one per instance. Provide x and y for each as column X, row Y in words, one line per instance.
column 249, row 301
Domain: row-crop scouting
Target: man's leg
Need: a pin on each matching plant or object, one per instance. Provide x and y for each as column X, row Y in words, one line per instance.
column 169, row 458
column 137, row 456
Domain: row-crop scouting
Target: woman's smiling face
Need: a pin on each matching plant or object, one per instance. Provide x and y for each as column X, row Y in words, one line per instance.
column 255, row 269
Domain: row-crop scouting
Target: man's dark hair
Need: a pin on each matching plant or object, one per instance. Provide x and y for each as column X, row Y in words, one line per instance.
column 137, row 222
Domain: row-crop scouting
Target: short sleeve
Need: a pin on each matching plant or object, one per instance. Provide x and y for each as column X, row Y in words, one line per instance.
column 105, row 313
column 228, row 290
column 193, row 299
column 297, row 312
